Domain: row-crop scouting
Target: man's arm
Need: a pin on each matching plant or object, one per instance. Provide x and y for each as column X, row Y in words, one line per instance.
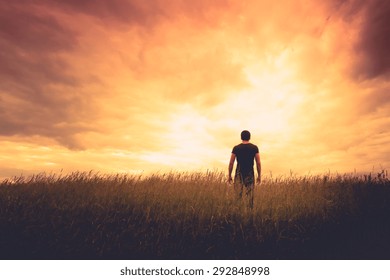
column 231, row 163
column 258, row 167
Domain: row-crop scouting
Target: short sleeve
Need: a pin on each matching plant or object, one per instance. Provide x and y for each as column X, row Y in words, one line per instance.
column 256, row 149
column 234, row 151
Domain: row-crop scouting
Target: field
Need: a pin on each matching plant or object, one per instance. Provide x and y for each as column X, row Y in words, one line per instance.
column 193, row 216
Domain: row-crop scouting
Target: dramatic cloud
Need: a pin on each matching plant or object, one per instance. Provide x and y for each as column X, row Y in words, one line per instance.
column 155, row 85
column 373, row 41
column 39, row 92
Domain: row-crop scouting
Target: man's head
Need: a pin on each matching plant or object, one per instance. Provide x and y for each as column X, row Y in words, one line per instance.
column 245, row 135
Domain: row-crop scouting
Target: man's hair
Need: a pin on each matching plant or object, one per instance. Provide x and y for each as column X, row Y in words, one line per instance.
column 245, row 135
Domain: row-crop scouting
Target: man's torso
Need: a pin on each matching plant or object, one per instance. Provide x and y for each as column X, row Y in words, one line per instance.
column 245, row 154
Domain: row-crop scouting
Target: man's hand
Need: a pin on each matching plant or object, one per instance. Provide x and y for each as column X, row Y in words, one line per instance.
column 230, row 170
column 258, row 180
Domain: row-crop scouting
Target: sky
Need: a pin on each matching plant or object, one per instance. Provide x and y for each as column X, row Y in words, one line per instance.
column 156, row 86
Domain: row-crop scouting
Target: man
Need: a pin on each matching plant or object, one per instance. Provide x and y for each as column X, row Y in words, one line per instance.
column 245, row 153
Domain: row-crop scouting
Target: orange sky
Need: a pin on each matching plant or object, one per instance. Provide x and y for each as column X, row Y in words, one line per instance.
column 146, row 86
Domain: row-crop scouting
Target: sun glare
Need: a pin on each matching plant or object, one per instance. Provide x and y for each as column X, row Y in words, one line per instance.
column 267, row 107
column 185, row 140
column 272, row 102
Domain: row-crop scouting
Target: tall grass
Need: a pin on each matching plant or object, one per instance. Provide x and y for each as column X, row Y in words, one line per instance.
column 193, row 216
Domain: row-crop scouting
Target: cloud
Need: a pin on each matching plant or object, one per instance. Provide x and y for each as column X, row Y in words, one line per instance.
column 144, row 83
column 372, row 42
column 146, row 15
column 56, row 70
column 38, row 89
column 345, row 70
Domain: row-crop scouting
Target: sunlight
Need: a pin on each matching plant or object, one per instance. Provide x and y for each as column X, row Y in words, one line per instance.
column 268, row 108
column 272, row 102
column 185, row 141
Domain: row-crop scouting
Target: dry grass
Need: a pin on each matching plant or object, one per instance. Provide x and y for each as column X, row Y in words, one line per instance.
column 193, row 216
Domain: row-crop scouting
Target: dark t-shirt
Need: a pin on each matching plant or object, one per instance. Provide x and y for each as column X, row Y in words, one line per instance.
column 245, row 154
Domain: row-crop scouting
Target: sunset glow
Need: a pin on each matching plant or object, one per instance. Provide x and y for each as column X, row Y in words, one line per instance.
column 155, row 86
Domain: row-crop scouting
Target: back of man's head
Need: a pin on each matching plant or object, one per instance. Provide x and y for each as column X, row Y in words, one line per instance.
column 245, row 135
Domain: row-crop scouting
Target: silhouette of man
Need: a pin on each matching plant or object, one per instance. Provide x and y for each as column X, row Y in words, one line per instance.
column 244, row 179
